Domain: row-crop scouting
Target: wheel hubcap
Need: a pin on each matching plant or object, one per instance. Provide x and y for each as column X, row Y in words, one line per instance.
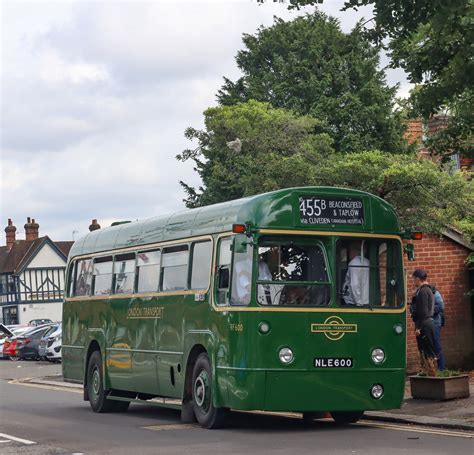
column 95, row 382
column 202, row 391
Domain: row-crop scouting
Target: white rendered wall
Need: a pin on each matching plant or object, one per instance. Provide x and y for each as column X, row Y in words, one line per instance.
column 29, row 311
column 47, row 257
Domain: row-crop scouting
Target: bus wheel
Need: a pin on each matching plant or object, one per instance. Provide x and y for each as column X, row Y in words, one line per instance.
column 95, row 385
column 344, row 418
column 206, row 414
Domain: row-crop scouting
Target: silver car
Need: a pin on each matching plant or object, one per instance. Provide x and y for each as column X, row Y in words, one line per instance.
column 43, row 344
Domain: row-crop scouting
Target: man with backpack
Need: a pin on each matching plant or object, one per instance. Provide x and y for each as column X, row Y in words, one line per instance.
column 422, row 309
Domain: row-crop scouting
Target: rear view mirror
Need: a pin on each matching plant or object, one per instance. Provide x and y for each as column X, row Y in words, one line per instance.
column 240, row 243
column 409, row 249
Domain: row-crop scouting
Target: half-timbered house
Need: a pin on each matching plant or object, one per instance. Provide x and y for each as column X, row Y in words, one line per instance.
column 31, row 276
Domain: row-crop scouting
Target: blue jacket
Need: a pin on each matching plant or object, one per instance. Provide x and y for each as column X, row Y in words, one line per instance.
column 438, row 310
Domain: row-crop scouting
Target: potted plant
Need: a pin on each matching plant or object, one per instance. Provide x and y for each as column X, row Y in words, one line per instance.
column 439, row 385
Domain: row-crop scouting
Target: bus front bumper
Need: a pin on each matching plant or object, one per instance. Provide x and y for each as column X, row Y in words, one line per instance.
column 314, row 391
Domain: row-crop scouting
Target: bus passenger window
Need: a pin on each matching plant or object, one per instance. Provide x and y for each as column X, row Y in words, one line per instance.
column 242, row 277
column 201, row 267
column 124, row 273
column 174, row 268
column 83, row 277
column 102, row 283
column 223, row 271
column 148, row 271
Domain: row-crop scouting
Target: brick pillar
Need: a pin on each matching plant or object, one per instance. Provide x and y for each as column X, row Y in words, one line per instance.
column 10, row 231
column 31, row 229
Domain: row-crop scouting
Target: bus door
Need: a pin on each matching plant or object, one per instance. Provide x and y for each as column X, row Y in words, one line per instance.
column 144, row 317
column 169, row 335
column 119, row 333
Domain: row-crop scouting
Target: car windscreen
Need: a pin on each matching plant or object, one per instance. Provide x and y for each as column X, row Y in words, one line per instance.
column 5, row 332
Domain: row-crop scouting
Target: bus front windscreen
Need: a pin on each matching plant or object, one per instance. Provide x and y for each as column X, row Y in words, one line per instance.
column 292, row 273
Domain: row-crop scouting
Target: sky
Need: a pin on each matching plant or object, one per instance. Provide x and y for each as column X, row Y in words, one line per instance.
column 95, row 98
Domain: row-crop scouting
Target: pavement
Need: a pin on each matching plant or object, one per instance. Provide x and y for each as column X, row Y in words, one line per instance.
column 451, row 414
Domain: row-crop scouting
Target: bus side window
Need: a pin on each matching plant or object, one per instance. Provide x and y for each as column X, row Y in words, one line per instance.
column 174, row 268
column 71, row 278
column 201, row 265
column 223, row 271
column 102, row 276
column 83, row 283
column 148, row 271
column 124, row 273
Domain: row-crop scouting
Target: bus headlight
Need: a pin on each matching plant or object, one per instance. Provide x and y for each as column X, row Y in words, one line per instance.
column 286, row 355
column 378, row 356
column 376, row 391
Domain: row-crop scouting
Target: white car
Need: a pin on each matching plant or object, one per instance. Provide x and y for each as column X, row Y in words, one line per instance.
column 53, row 346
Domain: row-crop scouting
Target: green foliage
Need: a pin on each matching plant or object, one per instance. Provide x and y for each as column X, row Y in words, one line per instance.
column 444, row 373
column 311, row 67
column 425, row 197
column 276, row 149
column 280, row 149
column 432, row 40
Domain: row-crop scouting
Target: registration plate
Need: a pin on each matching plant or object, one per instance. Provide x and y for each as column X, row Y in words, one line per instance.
column 333, row 362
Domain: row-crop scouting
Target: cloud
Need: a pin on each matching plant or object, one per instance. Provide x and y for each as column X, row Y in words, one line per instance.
column 96, row 97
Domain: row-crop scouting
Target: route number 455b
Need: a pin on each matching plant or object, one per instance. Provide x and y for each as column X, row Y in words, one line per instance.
column 312, row 207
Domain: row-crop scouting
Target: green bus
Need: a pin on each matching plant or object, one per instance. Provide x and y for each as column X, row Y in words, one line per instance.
column 293, row 300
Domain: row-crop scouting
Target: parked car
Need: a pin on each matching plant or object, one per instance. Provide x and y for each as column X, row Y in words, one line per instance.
column 27, row 343
column 54, row 345
column 37, row 322
column 8, row 341
column 5, row 333
column 49, row 347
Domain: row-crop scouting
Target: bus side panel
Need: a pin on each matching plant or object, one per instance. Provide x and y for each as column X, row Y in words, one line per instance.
column 74, row 342
column 144, row 357
column 119, row 344
column 237, row 386
column 170, row 345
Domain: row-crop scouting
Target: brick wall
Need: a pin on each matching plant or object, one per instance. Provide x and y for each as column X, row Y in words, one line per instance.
column 443, row 259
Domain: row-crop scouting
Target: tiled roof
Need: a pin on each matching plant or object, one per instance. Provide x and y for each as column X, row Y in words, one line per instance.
column 23, row 251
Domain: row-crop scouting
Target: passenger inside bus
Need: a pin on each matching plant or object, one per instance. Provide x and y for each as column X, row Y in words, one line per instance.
column 356, row 282
column 288, row 266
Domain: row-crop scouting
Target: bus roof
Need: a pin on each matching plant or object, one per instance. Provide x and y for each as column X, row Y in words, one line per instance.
column 275, row 210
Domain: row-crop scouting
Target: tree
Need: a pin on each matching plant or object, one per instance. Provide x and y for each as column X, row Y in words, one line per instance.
column 310, row 66
column 251, row 148
column 432, row 41
column 424, row 195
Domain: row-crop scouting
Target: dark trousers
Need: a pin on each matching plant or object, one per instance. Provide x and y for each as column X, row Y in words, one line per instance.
column 438, row 349
column 426, row 339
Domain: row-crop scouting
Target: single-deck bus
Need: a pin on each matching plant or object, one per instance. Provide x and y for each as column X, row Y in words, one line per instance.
column 293, row 300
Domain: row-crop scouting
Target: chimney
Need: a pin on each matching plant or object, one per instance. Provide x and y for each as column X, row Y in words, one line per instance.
column 10, row 234
column 94, row 225
column 31, row 229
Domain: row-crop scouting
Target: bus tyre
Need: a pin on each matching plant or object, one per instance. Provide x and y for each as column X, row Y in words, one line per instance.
column 206, row 414
column 95, row 385
column 344, row 418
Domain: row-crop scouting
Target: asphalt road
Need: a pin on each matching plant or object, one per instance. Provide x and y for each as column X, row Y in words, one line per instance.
column 51, row 421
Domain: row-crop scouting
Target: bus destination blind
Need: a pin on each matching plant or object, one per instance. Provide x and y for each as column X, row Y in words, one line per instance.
column 330, row 210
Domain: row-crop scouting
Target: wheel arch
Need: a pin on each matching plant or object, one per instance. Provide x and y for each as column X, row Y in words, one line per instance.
column 93, row 346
